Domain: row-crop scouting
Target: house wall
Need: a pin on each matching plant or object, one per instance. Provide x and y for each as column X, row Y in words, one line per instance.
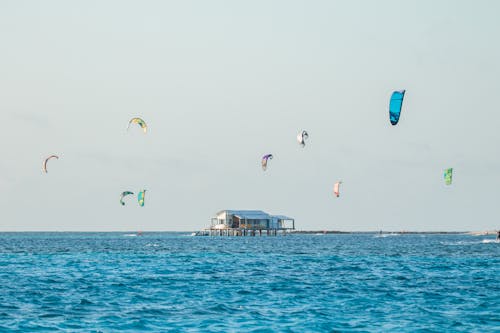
column 235, row 222
column 222, row 217
column 255, row 224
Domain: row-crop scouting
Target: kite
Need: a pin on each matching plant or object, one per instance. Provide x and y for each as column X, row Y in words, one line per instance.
column 140, row 197
column 44, row 167
column 336, row 188
column 123, row 195
column 301, row 138
column 448, row 173
column 395, row 106
column 139, row 122
column 264, row 160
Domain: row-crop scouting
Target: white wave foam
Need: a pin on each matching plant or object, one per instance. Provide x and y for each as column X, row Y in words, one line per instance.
column 483, row 241
column 387, row 235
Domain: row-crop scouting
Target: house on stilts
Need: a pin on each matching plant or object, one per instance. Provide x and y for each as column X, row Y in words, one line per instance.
column 248, row 223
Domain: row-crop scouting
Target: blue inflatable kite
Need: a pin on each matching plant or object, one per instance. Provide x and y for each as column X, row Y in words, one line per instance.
column 395, row 106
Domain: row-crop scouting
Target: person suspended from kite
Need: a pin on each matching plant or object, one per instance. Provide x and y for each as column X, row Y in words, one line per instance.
column 140, row 197
column 123, row 195
column 44, row 165
column 264, row 160
column 336, row 188
column 301, row 138
column 139, row 122
column 395, row 106
column 448, row 173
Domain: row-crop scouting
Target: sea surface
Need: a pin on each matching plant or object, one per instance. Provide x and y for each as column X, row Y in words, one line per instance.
column 173, row 282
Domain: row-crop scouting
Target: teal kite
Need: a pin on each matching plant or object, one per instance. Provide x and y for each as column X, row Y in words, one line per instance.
column 140, row 197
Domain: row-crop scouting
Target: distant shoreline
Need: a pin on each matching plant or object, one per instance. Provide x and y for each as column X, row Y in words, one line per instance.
column 475, row 233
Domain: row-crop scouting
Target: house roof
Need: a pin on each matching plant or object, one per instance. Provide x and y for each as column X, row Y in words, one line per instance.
column 254, row 215
column 250, row 214
column 282, row 217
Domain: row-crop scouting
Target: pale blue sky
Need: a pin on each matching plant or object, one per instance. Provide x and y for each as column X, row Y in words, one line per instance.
column 221, row 83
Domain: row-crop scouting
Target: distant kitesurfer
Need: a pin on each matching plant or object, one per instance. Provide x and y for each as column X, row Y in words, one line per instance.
column 498, row 235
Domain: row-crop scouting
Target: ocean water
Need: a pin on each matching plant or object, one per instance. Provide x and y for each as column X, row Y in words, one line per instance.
column 171, row 282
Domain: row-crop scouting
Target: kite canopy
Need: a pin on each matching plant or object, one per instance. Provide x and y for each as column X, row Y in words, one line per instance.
column 336, row 188
column 395, row 106
column 123, row 195
column 448, row 173
column 140, row 197
column 44, row 165
column 139, row 122
column 301, row 138
column 264, row 160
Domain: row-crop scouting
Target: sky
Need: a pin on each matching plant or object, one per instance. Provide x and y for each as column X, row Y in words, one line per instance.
column 221, row 83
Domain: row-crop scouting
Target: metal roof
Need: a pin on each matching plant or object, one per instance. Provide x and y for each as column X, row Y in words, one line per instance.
column 244, row 212
column 254, row 215
column 282, row 217
column 251, row 214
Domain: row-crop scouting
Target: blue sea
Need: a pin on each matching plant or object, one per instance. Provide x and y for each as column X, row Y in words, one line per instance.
column 172, row 282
